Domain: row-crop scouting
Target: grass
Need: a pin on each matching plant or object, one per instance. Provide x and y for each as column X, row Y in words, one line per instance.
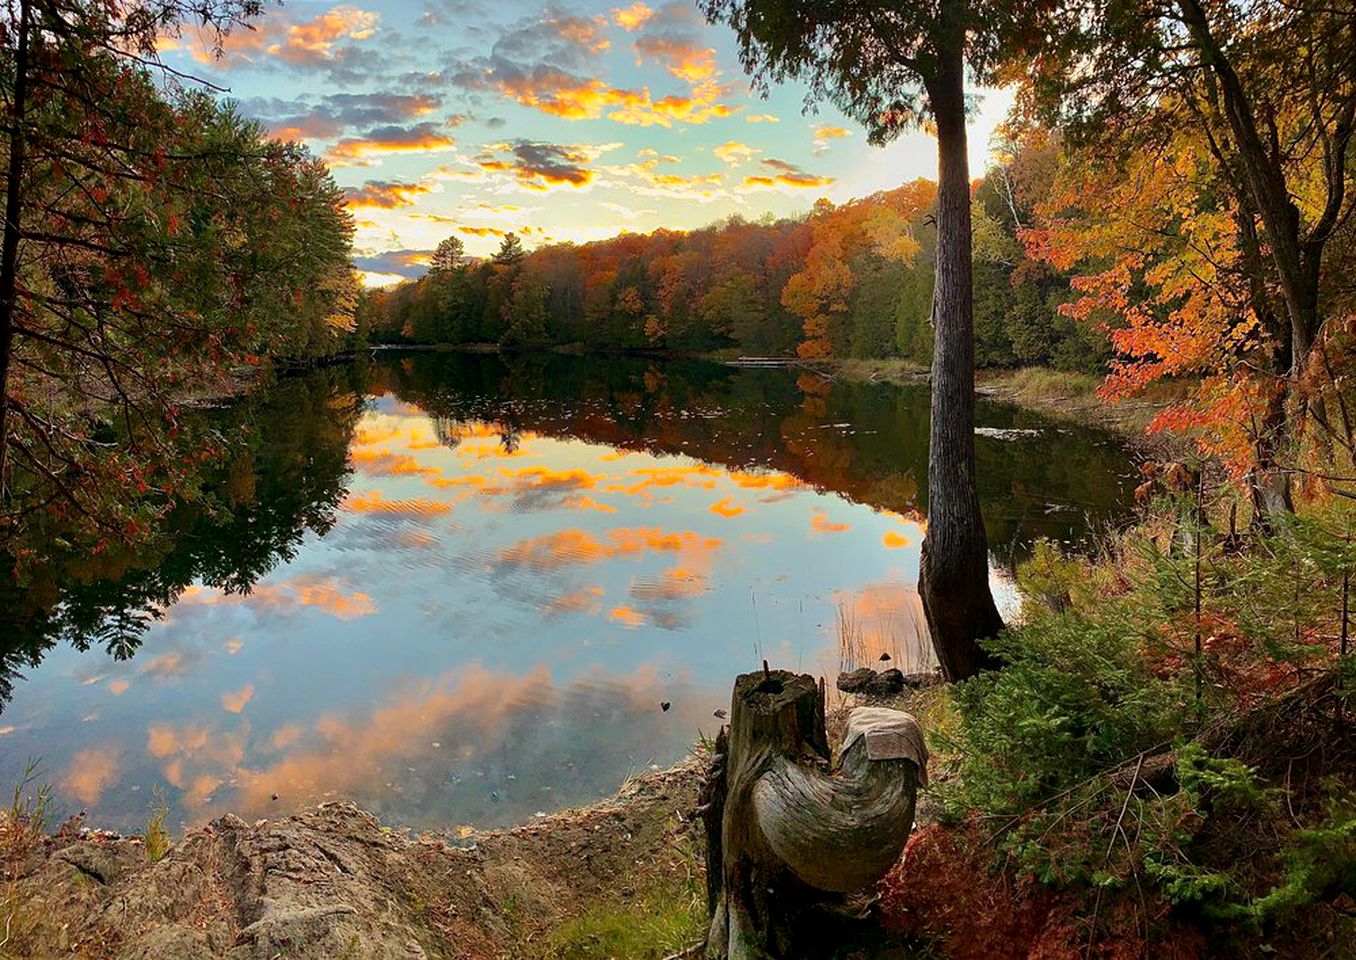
column 1041, row 383
column 653, row 923
column 661, row 918
column 892, row 368
column 158, row 840
column 22, row 826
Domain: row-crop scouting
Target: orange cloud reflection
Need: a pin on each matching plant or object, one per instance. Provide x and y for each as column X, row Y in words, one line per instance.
column 233, row 701
column 820, row 523
column 90, row 772
column 567, row 547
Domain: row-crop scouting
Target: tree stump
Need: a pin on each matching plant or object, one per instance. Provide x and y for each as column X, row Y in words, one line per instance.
column 788, row 836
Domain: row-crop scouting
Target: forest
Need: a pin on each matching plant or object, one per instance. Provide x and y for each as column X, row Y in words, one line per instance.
column 1136, row 679
column 848, row 281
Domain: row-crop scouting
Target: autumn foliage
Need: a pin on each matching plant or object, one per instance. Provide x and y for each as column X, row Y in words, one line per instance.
column 164, row 244
column 947, row 888
column 853, row 280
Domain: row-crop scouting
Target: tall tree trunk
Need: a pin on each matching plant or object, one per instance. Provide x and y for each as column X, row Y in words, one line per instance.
column 1268, row 483
column 9, row 247
column 1296, row 260
column 954, row 573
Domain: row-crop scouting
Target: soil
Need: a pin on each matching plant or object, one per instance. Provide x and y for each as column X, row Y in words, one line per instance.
column 333, row 882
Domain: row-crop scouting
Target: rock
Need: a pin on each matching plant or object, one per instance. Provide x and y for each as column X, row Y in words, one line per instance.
column 101, row 863
column 332, row 882
column 870, row 683
column 927, row 678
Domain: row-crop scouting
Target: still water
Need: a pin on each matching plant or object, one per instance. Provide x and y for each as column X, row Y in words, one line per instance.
column 461, row 589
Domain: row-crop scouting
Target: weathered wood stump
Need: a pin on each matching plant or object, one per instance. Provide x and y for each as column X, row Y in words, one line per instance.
column 788, row 836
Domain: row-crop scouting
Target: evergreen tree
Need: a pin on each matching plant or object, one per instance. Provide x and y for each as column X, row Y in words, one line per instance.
column 511, row 251
column 894, row 66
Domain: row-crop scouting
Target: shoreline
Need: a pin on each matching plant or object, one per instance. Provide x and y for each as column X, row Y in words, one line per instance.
column 1056, row 394
column 333, row 881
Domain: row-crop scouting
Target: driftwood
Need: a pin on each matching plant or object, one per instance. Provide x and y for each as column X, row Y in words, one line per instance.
column 789, row 837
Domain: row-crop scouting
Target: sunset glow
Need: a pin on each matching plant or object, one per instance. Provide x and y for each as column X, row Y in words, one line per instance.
column 565, row 123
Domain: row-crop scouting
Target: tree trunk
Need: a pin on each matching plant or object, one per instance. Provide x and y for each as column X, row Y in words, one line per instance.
column 793, row 837
column 954, row 572
column 1297, row 260
column 9, row 247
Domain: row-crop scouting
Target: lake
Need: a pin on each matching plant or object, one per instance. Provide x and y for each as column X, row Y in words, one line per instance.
column 461, row 590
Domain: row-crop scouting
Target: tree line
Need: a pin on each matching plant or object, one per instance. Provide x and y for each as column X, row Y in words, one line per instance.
column 155, row 245
column 849, row 281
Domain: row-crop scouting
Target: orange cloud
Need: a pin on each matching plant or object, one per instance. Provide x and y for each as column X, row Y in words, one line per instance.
column 884, row 616
column 734, row 152
column 309, row 42
column 367, row 150
column 321, row 593
column 697, row 475
column 894, row 541
column 368, row 436
column 562, row 94
column 315, row 39
column 586, row 600
column 465, row 712
column 481, row 231
column 679, row 55
column 118, row 687
column 699, row 106
column 540, row 166
column 761, row 118
column 567, row 547
column 173, row 663
column 384, row 195
column 675, row 583
column 726, row 508
column 383, row 463
column 375, row 502
column 587, row 503
column 769, row 480
column 627, row 616
column 190, row 752
column 90, row 772
column 286, row 735
column 820, row 523
column 632, row 17
column 547, row 478
column 233, row 701
column 784, row 174
column 587, row 34
column 824, row 135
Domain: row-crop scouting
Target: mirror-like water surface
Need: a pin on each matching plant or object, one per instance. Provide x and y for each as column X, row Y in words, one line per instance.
column 460, row 589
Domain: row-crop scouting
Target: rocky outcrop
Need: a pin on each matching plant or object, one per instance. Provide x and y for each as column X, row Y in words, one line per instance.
column 886, row 683
column 333, row 882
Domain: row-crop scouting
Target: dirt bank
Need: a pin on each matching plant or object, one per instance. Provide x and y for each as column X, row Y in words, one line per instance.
column 334, row 883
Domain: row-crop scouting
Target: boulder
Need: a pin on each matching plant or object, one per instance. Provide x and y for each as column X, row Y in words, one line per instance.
column 887, row 683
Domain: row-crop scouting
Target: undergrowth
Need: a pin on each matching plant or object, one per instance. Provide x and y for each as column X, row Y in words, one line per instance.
column 664, row 917
column 23, row 825
column 1164, row 766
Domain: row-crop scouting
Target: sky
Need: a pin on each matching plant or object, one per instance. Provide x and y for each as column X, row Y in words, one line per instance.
column 562, row 123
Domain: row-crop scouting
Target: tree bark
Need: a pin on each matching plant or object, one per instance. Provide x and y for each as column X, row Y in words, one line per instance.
column 794, row 837
column 954, row 572
column 9, row 247
column 1298, row 258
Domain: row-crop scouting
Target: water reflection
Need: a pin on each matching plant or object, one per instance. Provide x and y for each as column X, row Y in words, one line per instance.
column 457, row 589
